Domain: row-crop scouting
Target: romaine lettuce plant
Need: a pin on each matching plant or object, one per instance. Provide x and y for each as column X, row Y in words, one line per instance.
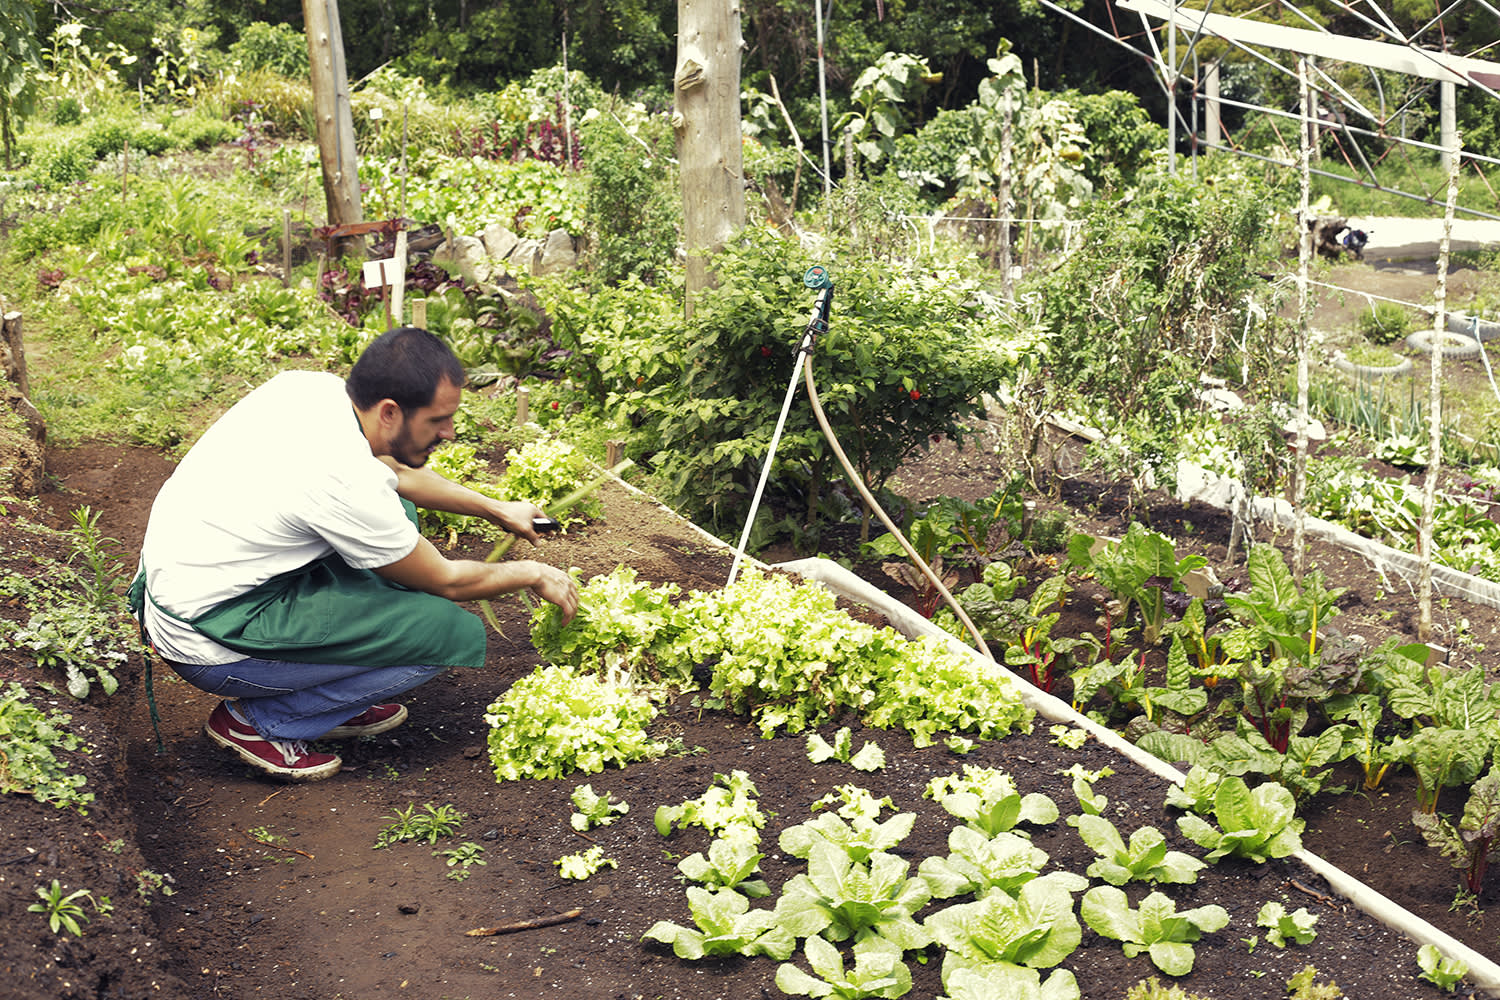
column 1438, row 969
column 878, row 971
column 841, row 898
column 1144, row 859
column 978, row 865
column 1282, row 927
column 858, row 838
column 869, row 758
column 1155, row 928
column 592, row 809
column 1010, row 982
column 1258, row 825
column 1035, row 928
column 727, row 809
column 725, row 926
column 729, row 865
column 987, row 800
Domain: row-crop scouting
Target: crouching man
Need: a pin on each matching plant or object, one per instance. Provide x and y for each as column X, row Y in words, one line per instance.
column 282, row 568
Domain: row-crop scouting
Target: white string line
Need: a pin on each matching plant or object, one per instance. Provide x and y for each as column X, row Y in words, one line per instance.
column 1401, row 140
column 1367, row 296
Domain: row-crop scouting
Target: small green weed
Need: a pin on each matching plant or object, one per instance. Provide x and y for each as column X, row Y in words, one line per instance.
column 64, row 910
column 464, row 856
column 431, row 824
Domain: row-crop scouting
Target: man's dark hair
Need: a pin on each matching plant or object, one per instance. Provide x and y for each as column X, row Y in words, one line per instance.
column 405, row 365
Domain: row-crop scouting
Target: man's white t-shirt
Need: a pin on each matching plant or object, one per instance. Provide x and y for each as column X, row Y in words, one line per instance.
column 282, row 479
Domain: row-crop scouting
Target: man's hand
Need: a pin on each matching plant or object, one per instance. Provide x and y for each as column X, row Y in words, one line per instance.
column 558, row 587
column 515, row 516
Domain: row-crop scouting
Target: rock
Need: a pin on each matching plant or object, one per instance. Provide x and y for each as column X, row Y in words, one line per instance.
column 468, row 256
column 558, row 253
column 523, row 259
column 499, row 241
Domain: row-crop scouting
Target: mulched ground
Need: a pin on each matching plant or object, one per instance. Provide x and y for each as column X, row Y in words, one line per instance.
column 327, row 915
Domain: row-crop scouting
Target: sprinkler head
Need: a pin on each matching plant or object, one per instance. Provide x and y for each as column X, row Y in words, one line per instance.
column 817, row 277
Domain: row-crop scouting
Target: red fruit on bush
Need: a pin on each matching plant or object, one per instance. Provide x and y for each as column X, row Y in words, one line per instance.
column 915, row 395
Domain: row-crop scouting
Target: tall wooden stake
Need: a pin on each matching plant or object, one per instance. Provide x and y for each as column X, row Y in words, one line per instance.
column 1435, row 404
column 335, row 120
column 1304, row 262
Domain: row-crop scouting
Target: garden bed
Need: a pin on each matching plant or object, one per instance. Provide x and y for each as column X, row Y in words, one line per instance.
column 322, row 913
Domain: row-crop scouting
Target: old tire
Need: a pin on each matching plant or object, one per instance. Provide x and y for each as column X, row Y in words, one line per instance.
column 1487, row 329
column 1455, row 346
column 1343, row 364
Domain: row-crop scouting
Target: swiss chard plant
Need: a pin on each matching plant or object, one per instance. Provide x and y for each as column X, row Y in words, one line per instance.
column 725, row 925
column 1156, row 928
column 1361, row 715
column 1141, row 570
column 1475, row 840
column 1258, row 824
column 1442, row 757
column 1033, row 650
column 1145, row 858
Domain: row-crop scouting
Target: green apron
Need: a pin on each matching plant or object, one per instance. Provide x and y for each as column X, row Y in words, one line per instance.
column 328, row 612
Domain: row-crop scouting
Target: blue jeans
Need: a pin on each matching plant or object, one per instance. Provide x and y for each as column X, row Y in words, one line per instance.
column 302, row 701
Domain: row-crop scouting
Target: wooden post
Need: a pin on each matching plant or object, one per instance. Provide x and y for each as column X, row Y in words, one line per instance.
column 419, row 313
column 614, row 453
column 707, row 121
column 523, row 405
column 1304, row 263
column 335, row 119
column 398, row 280
column 13, row 370
column 286, row 248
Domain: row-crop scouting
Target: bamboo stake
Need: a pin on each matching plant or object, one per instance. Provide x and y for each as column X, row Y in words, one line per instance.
column 1304, row 261
column 1435, row 408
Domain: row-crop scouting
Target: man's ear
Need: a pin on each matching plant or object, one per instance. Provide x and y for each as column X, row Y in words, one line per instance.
column 388, row 413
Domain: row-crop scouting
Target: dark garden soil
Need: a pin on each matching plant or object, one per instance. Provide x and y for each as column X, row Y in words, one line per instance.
column 325, row 915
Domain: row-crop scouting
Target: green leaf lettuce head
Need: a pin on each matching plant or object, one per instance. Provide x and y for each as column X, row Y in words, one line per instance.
column 725, row 926
column 727, row 809
column 978, row 865
column 1283, row 927
column 1443, row 972
column 840, row 898
column 1156, row 928
column 728, row 865
column 583, row 864
column 986, row 799
column 858, row 838
column 594, row 809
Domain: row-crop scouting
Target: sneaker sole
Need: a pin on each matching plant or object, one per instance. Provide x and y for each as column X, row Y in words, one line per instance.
column 344, row 732
column 286, row 773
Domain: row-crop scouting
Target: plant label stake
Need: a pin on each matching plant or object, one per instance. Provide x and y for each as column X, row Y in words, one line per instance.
column 816, row 277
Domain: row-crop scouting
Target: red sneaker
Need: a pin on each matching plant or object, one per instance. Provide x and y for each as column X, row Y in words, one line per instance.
column 287, row 759
column 373, row 720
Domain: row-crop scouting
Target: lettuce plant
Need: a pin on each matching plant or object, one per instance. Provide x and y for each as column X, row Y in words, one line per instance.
column 1010, row 982
column 1156, row 928
column 725, row 926
column 1035, row 928
column 727, row 809
column 1438, row 969
column 878, row 971
column 1282, row 926
column 987, row 800
column 728, row 865
column 858, row 838
column 841, row 898
column 854, row 802
column 592, row 809
column 1090, row 802
column 1258, row 825
column 1144, row 859
column 869, row 758
column 978, row 865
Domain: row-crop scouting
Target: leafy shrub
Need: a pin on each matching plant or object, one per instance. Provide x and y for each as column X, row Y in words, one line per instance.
column 278, row 48
column 67, row 111
column 201, row 131
column 106, row 136
column 62, row 162
column 631, row 208
column 151, row 140
column 29, row 765
column 1384, row 323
